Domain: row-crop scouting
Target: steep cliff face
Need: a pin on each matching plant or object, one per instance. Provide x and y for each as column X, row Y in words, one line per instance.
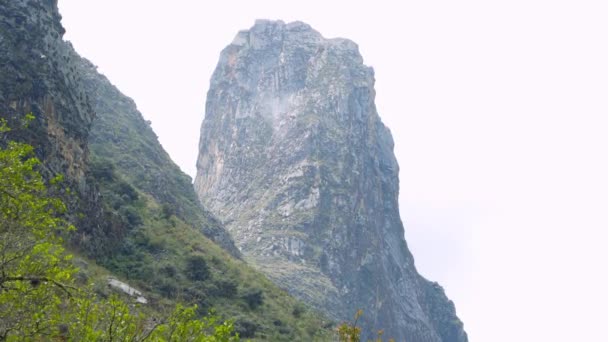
column 297, row 163
column 37, row 75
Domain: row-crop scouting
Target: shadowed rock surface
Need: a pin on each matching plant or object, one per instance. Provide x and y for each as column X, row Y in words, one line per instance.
column 38, row 75
column 296, row 162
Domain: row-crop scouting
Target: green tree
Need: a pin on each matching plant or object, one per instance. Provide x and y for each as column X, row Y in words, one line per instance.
column 113, row 320
column 34, row 268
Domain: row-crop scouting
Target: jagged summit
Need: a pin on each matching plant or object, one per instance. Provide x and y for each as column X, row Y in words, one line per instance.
column 274, row 35
column 295, row 160
column 265, row 31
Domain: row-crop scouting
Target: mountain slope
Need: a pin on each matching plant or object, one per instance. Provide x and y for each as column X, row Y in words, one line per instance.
column 295, row 160
column 120, row 134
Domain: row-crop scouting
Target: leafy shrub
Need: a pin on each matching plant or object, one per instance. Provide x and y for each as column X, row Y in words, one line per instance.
column 167, row 211
column 168, row 288
column 102, row 170
column 131, row 215
column 196, row 268
column 246, row 328
column 298, row 310
column 227, row 288
column 169, row 271
column 253, row 298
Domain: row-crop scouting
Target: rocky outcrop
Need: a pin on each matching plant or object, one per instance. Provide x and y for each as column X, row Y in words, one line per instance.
column 37, row 75
column 295, row 160
column 127, row 289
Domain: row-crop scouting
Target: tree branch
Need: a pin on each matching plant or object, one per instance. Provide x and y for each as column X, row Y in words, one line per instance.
column 150, row 332
column 37, row 280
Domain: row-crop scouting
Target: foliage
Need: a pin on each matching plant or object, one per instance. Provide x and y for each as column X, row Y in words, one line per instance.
column 33, row 263
column 254, row 298
column 352, row 333
column 38, row 299
column 113, row 320
column 196, row 268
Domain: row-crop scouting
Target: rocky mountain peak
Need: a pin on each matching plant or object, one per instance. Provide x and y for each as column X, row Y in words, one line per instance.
column 266, row 33
column 295, row 160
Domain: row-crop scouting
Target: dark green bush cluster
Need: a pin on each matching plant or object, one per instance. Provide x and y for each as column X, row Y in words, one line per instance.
column 196, row 268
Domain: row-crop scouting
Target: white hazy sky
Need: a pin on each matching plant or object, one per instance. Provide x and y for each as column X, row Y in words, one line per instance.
column 499, row 110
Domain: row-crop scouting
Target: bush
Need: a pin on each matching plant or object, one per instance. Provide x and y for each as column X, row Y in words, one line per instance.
column 227, row 288
column 131, row 215
column 166, row 211
column 197, row 269
column 169, row 271
column 102, row 170
column 246, row 328
column 298, row 310
column 168, row 289
column 253, row 298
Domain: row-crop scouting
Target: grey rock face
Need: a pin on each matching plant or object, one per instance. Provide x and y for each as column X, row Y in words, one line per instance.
column 37, row 75
column 297, row 163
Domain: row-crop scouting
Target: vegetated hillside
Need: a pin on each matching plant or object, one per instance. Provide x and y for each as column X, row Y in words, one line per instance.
column 297, row 163
column 120, row 135
column 163, row 250
column 172, row 261
column 145, row 229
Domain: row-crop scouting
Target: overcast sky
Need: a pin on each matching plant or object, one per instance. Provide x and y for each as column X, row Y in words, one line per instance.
column 499, row 110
